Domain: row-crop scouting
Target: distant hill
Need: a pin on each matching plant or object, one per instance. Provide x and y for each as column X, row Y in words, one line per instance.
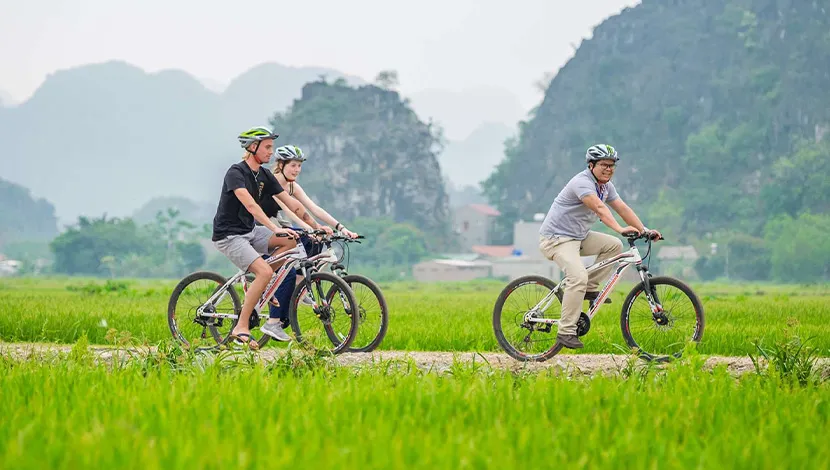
column 276, row 87
column 368, row 156
column 106, row 138
column 24, row 217
column 472, row 160
column 719, row 108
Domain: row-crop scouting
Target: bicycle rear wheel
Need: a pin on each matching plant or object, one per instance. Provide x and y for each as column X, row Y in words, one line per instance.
column 192, row 292
column 331, row 313
column 522, row 340
column 662, row 335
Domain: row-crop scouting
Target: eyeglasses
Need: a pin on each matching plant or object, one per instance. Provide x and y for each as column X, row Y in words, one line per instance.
column 607, row 166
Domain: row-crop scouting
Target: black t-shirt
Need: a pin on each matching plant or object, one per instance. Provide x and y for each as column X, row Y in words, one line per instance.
column 269, row 206
column 232, row 218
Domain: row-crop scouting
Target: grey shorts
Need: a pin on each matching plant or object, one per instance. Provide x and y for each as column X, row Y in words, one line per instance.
column 243, row 250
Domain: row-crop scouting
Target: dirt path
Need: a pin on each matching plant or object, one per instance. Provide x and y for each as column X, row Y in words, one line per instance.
column 428, row 360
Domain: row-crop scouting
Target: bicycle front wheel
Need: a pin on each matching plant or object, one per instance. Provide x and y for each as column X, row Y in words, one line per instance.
column 661, row 335
column 523, row 340
column 327, row 309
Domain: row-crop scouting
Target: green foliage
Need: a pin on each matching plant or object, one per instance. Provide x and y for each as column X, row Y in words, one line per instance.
column 710, row 268
column 800, row 247
column 118, row 247
column 453, row 316
column 402, row 244
column 801, row 181
column 792, row 360
column 389, row 247
column 95, row 288
column 167, row 408
column 82, row 248
column 749, row 258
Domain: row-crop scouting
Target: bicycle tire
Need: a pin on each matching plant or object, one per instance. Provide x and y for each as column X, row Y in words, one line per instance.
column 174, row 298
column 299, row 292
column 639, row 289
column 497, row 314
column 376, row 339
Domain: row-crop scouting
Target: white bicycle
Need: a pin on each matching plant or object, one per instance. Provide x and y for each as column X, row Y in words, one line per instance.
column 658, row 317
column 204, row 307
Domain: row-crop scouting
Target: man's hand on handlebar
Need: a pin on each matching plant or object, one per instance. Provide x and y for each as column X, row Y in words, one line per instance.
column 631, row 232
column 285, row 232
column 653, row 235
column 628, row 231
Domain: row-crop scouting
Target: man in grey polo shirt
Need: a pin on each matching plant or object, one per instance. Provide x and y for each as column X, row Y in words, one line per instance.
column 566, row 233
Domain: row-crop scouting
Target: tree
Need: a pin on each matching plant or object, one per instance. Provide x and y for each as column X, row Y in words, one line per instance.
column 387, row 243
column 402, row 245
column 800, row 247
column 800, row 181
column 387, row 79
column 170, row 228
column 85, row 247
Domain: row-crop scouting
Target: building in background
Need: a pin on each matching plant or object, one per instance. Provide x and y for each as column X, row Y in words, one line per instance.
column 474, row 223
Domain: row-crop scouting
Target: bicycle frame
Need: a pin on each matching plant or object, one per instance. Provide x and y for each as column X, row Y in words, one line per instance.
column 624, row 260
column 294, row 257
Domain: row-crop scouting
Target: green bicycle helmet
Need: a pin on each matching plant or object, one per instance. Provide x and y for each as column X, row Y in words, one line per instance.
column 255, row 134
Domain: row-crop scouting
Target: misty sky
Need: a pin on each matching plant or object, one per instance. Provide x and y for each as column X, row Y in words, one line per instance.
column 449, row 44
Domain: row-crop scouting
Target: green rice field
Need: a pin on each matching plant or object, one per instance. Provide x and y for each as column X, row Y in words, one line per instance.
column 170, row 408
column 423, row 317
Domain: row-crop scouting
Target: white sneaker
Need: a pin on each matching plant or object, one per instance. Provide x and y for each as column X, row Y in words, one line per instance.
column 275, row 331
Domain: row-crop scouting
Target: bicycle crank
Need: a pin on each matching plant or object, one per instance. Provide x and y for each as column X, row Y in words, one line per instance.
column 583, row 325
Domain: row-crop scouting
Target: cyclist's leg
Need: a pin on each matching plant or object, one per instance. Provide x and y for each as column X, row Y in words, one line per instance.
column 564, row 251
column 603, row 246
column 240, row 250
column 283, row 296
column 262, row 274
column 264, row 241
column 282, row 244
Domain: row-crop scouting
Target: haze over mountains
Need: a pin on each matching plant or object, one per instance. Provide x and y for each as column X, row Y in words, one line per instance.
column 6, row 99
column 109, row 137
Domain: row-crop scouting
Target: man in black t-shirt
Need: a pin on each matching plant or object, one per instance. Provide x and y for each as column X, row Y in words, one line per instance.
column 237, row 236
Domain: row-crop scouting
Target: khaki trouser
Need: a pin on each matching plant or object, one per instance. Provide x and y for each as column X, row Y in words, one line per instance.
column 566, row 252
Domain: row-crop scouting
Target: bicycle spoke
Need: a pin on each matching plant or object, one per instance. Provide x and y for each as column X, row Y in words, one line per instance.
column 521, row 338
column 663, row 333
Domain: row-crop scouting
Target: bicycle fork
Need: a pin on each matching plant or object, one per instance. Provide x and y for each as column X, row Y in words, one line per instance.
column 651, row 294
column 320, row 305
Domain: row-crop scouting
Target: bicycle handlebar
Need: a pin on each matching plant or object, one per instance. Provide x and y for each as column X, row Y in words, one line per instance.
column 634, row 236
column 328, row 237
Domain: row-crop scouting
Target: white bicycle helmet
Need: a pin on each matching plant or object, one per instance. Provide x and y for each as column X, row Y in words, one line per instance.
column 289, row 152
column 601, row 152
